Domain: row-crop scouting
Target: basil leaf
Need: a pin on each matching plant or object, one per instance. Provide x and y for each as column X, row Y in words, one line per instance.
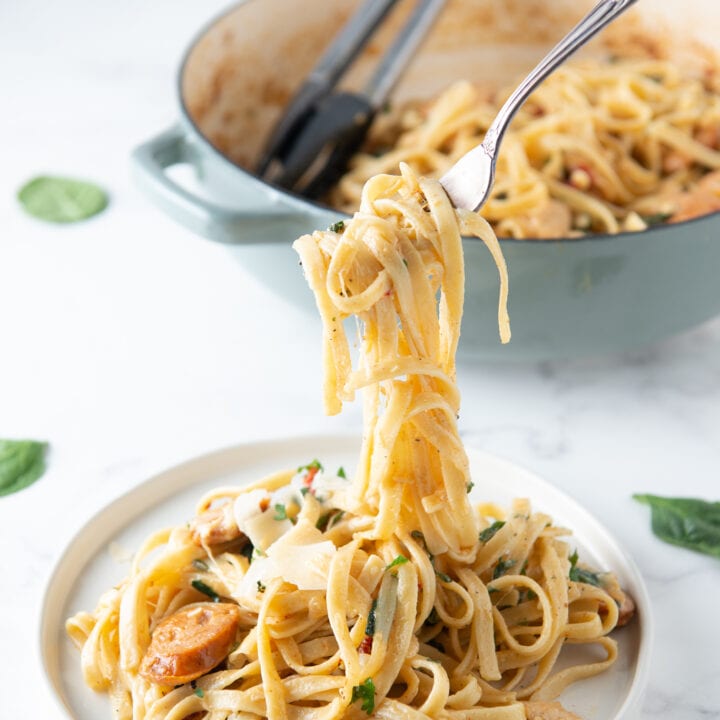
column 688, row 522
column 22, row 462
column 61, row 200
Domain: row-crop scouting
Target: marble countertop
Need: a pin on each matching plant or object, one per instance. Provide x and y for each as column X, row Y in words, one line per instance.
column 130, row 345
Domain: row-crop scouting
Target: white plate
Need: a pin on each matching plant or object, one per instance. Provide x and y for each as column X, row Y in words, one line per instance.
column 93, row 560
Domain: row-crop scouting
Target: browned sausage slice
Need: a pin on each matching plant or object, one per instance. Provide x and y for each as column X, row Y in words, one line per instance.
column 190, row 642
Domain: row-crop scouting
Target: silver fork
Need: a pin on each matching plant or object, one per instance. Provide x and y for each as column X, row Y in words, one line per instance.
column 469, row 181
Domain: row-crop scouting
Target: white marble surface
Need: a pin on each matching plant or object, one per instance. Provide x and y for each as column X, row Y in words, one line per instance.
column 130, row 344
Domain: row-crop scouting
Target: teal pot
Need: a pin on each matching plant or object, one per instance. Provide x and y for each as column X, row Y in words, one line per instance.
column 568, row 297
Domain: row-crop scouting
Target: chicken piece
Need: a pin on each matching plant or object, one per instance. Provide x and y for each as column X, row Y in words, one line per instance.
column 190, row 642
column 625, row 603
column 702, row 199
column 215, row 526
column 539, row 710
column 553, row 219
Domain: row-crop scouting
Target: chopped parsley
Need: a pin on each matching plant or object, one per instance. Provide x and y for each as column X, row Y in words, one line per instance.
column 280, row 512
column 502, row 567
column 341, row 473
column 469, row 487
column 205, row 589
column 261, row 587
column 337, row 227
column 578, row 574
column 199, row 692
column 365, row 692
column 443, row 576
column 399, row 560
column 313, row 465
column 199, row 564
column 489, row 532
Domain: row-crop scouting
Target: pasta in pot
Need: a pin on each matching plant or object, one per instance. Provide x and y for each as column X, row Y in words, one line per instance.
column 390, row 595
column 600, row 147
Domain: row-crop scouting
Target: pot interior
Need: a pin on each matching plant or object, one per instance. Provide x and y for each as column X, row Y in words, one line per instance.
column 243, row 69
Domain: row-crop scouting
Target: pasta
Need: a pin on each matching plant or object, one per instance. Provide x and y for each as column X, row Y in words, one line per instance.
column 390, row 595
column 600, row 147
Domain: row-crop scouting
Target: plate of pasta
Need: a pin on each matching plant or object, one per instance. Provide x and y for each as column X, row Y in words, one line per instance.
column 397, row 577
column 100, row 557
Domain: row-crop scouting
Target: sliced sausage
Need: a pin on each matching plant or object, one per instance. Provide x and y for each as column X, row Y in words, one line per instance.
column 623, row 599
column 190, row 642
column 538, row 710
column 215, row 526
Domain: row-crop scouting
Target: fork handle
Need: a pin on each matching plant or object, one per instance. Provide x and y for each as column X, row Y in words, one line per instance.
column 602, row 14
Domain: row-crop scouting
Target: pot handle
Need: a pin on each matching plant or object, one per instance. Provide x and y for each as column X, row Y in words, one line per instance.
column 222, row 224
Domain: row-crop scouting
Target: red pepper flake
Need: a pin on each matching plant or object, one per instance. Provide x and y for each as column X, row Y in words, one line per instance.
column 312, row 471
column 366, row 645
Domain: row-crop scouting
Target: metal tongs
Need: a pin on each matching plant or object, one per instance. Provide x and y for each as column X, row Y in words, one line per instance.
column 322, row 127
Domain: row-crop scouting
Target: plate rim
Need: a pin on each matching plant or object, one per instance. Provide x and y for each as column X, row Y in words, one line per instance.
column 222, row 460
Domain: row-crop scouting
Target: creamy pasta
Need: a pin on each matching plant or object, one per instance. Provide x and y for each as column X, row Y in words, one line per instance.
column 599, row 147
column 311, row 596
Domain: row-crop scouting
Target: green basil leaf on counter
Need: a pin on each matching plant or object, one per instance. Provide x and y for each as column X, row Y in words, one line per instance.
column 22, row 462
column 687, row 522
column 61, row 200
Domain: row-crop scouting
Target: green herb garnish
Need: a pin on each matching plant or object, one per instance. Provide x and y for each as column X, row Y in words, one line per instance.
column 328, row 519
column 399, row 560
column 280, row 512
column 199, row 692
column 261, row 588
column 656, row 218
column 502, row 567
column 22, row 462
column 581, row 575
column 489, row 532
column 205, row 589
column 469, row 487
column 341, row 473
column 337, row 227
column 365, row 691
column 370, row 626
column 199, row 564
column 313, row 465
column 61, row 200
column 443, row 576
column 687, row 522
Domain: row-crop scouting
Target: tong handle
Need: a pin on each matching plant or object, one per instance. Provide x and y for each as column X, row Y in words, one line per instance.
column 324, row 76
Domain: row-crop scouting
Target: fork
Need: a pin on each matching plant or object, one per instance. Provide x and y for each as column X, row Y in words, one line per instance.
column 469, row 181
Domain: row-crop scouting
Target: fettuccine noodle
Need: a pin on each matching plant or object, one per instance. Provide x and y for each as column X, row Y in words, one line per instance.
column 599, row 147
column 394, row 594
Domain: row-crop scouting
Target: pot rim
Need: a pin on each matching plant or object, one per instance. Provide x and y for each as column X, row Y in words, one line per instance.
column 300, row 202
